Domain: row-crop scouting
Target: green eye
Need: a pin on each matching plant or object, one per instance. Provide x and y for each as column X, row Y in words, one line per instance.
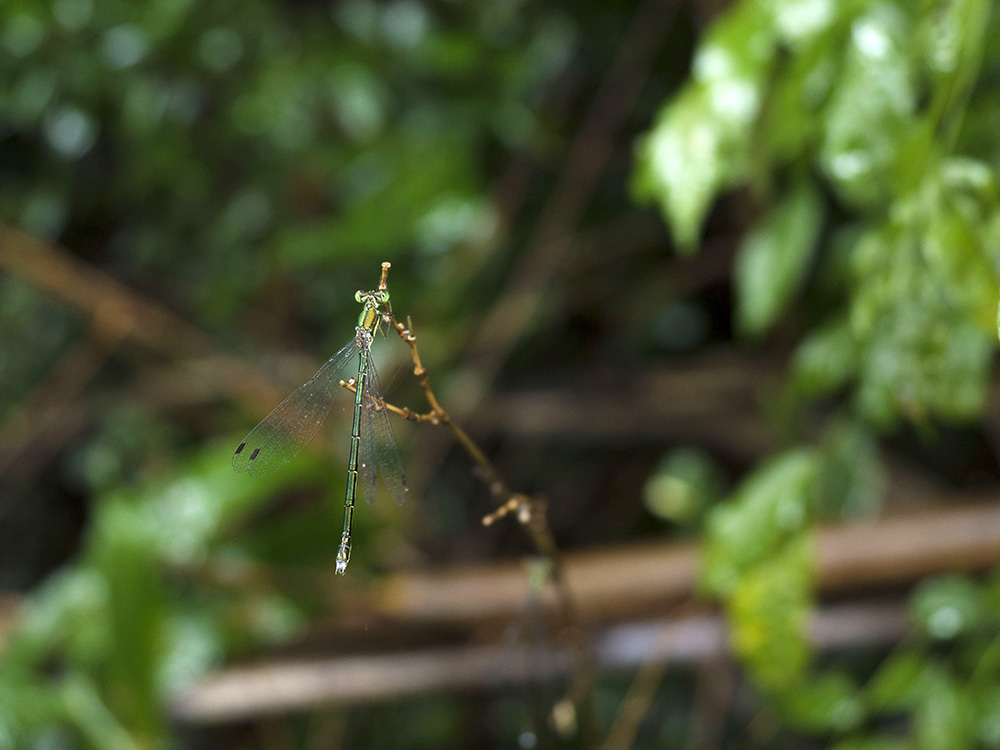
column 383, row 296
column 358, row 296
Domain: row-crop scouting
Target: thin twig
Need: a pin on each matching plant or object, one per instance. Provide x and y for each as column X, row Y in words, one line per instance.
column 531, row 514
column 405, row 412
column 635, row 705
column 641, row 692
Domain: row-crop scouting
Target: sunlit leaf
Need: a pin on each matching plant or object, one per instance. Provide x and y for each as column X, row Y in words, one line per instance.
column 871, row 106
column 702, row 140
column 769, row 613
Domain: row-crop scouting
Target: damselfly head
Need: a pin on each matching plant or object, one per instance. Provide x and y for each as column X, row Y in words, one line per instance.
column 372, row 299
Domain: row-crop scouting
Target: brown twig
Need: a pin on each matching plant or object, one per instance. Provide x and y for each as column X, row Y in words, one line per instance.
column 530, row 513
column 404, row 411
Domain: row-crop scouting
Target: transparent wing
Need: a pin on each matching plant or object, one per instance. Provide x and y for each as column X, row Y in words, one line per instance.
column 295, row 421
column 378, row 444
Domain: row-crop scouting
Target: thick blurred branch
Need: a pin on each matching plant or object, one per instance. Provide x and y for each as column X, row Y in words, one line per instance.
column 639, row 579
column 610, row 585
column 69, row 279
column 120, row 315
column 281, row 686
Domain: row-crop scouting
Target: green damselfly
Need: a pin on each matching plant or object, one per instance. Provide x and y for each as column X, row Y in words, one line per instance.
column 297, row 419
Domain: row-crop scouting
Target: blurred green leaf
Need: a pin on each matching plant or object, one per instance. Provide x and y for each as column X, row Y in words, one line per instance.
column 871, row 107
column 68, row 615
column 827, row 703
column 769, row 508
column 686, row 482
column 944, row 716
column 87, row 711
column 769, row 613
column 826, row 360
column 682, row 165
column 946, row 607
column 852, row 479
column 894, row 686
column 988, row 710
column 773, row 258
column 701, row 141
column 874, row 742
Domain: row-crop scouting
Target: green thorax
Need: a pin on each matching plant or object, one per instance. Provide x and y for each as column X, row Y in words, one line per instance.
column 371, row 316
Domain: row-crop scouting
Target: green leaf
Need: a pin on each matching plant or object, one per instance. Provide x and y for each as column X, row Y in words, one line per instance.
column 769, row 508
column 894, row 686
column 701, row 142
column 874, row 742
column 945, row 716
column 683, row 486
column 769, row 617
column 852, row 479
column 801, row 21
column 682, row 165
column 870, row 108
column 826, row 360
column 827, row 702
column 947, row 607
column 922, row 353
column 772, row 260
column 88, row 712
column 988, row 726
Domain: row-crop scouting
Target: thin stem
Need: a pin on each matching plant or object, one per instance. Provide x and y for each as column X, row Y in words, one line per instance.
column 404, row 411
column 530, row 513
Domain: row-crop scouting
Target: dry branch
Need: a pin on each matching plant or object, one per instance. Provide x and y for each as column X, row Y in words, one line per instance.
column 609, row 584
column 640, row 579
column 277, row 687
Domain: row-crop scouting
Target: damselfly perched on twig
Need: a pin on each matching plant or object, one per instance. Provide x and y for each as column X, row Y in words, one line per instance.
column 297, row 419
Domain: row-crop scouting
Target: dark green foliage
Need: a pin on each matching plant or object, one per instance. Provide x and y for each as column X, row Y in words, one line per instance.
column 870, row 98
column 216, row 157
column 859, row 128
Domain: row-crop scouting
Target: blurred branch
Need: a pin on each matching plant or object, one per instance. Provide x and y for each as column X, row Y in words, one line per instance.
column 711, row 400
column 282, row 686
column 850, row 557
column 121, row 315
column 39, row 425
column 69, row 279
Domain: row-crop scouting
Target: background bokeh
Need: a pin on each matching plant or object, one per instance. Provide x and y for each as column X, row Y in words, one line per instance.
column 715, row 284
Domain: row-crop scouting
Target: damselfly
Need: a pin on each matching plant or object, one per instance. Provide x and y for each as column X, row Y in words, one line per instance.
column 297, row 419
